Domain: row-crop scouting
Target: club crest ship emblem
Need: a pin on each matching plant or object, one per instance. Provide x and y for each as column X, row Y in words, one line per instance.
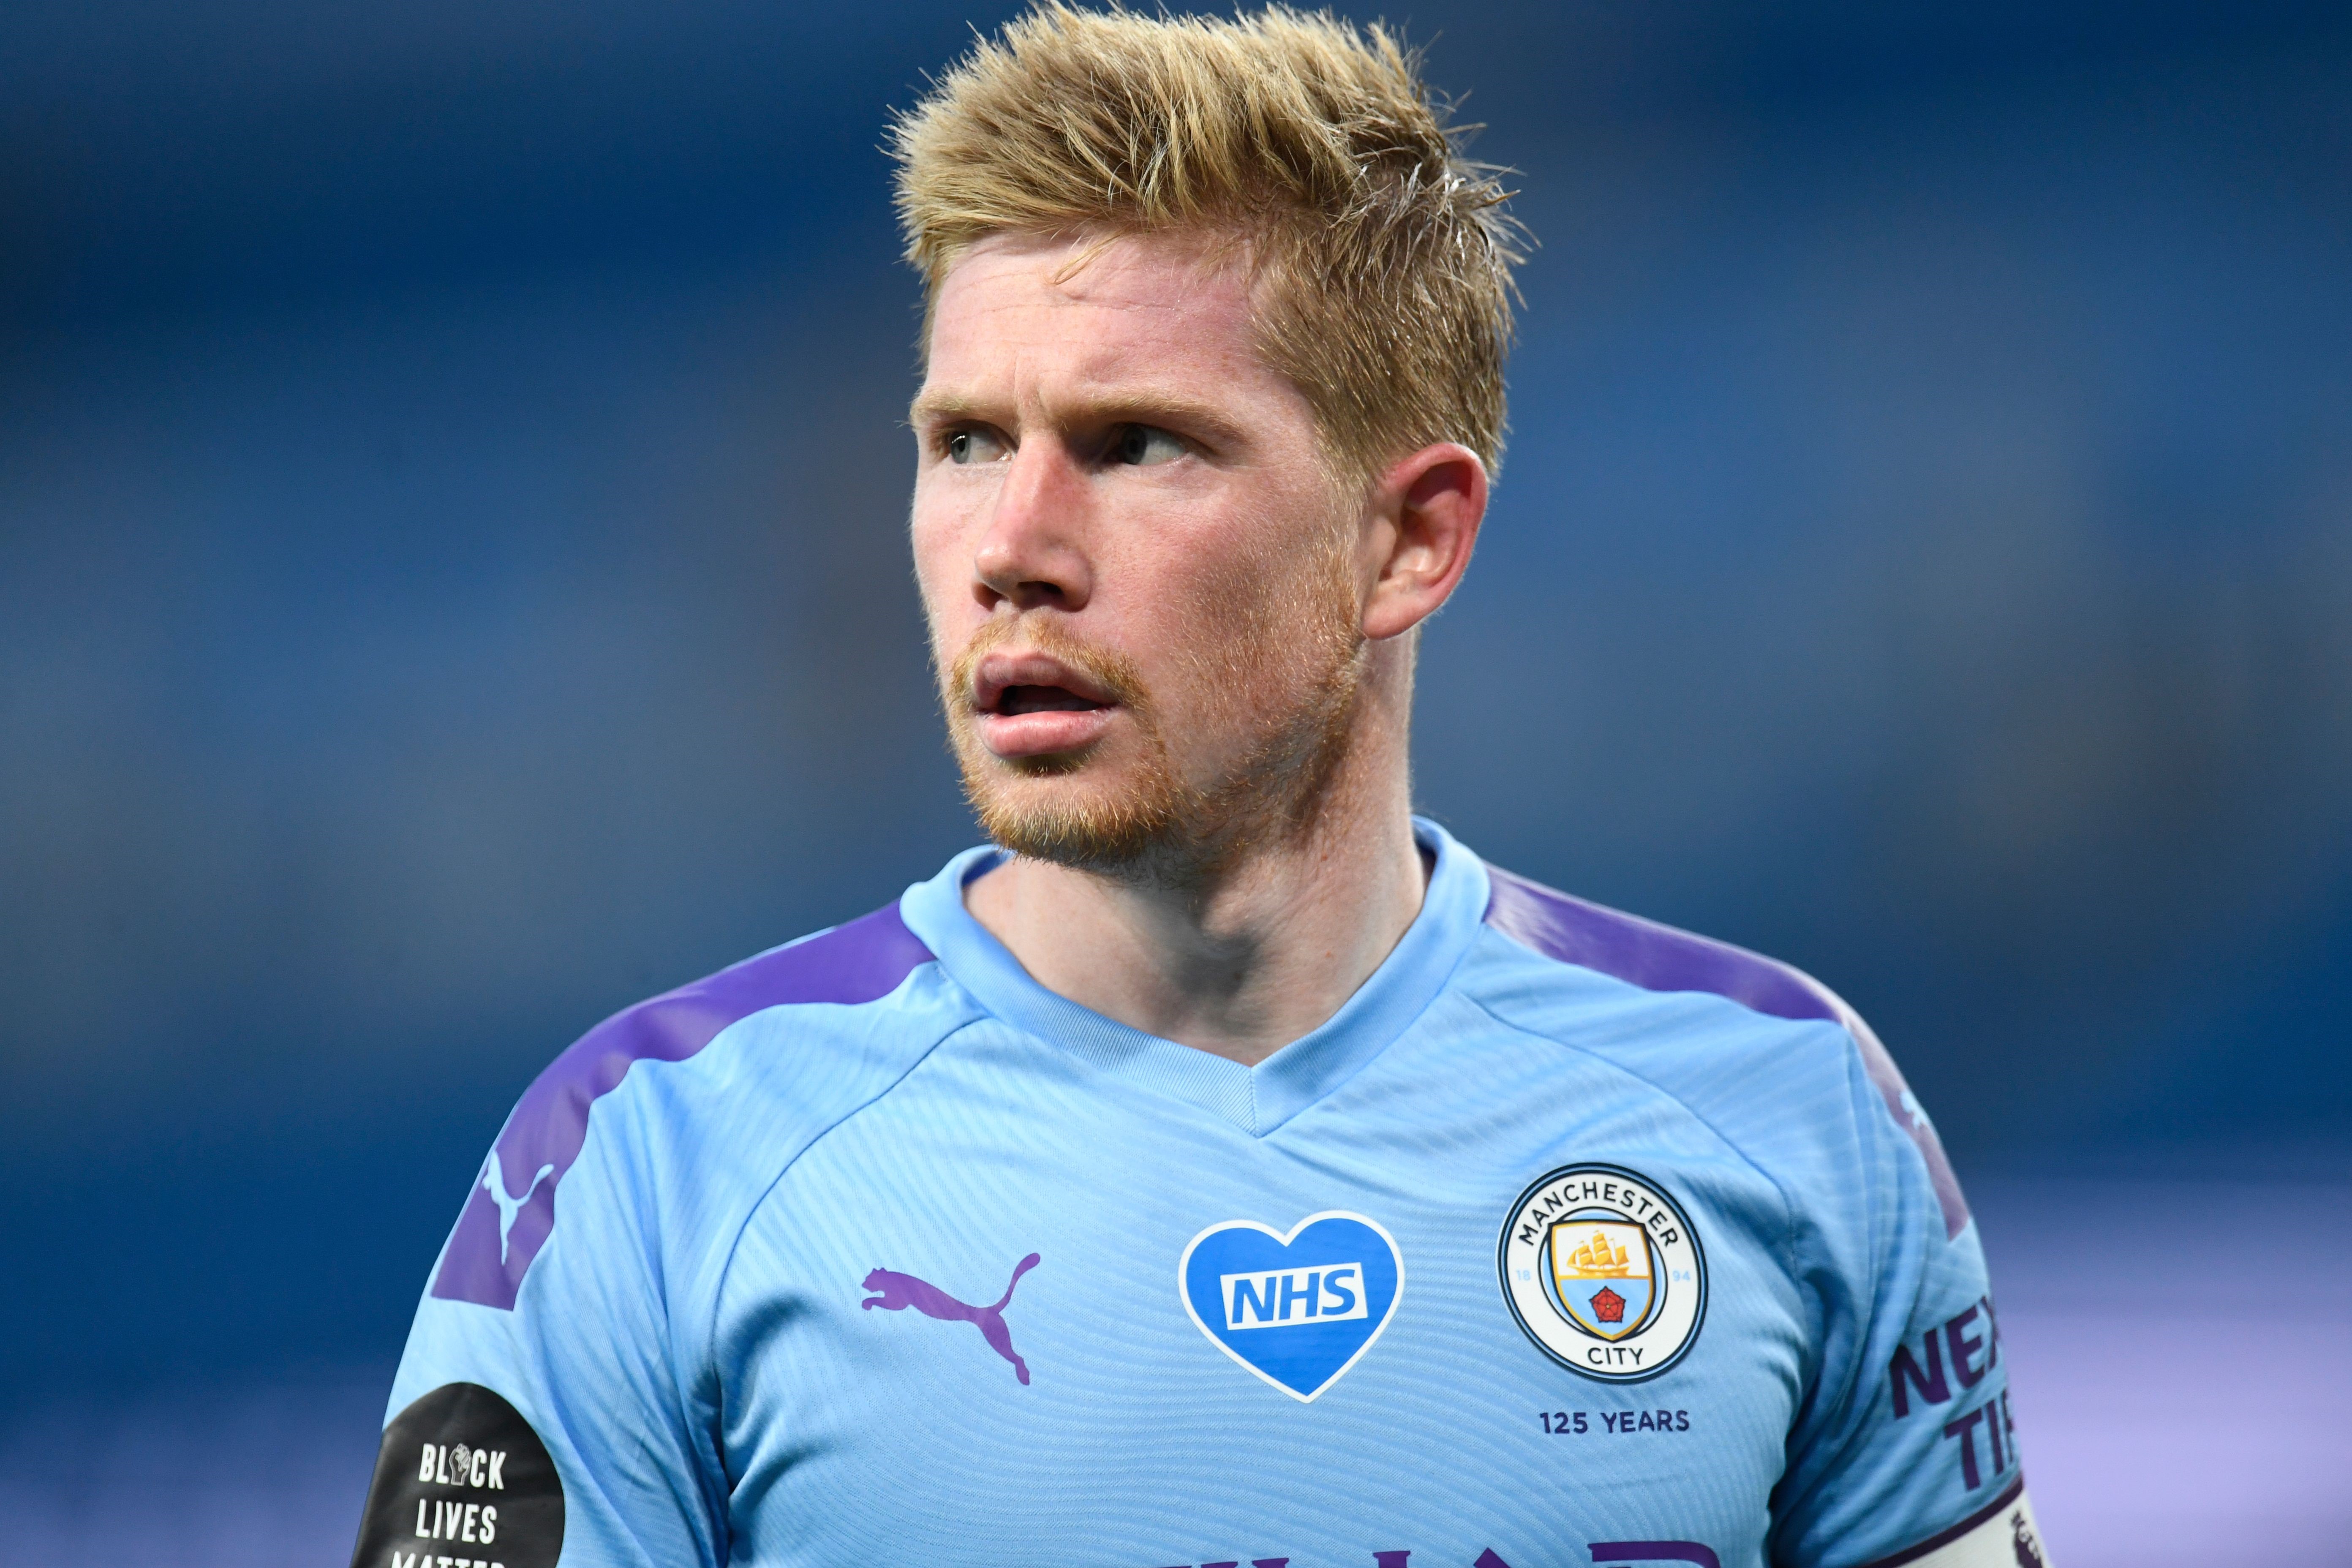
column 1604, row 1272
column 1601, row 1274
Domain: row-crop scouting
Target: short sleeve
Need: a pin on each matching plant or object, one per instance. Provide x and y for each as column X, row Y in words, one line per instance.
column 1906, row 1453
column 548, row 1421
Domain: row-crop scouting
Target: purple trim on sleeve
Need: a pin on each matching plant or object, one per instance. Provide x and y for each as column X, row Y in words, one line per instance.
column 1660, row 958
column 498, row 1236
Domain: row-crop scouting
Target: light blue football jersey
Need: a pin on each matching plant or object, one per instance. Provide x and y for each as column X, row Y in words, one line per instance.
column 1571, row 1238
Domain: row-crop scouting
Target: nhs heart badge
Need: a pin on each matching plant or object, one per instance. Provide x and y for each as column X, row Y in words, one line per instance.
column 1296, row 1309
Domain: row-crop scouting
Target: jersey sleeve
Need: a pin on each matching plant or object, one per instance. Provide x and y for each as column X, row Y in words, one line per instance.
column 552, row 1417
column 1906, row 1452
column 559, row 1400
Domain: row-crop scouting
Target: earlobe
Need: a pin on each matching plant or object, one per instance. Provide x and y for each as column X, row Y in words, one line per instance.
column 1431, row 504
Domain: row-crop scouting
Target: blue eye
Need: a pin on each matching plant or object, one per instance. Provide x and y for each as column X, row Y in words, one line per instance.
column 1143, row 445
column 972, row 446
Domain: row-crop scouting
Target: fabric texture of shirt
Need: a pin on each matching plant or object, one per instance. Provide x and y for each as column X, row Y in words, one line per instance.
column 1569, row 1238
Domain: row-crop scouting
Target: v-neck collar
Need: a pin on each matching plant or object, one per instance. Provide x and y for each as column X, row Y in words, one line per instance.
column 1257, row 1100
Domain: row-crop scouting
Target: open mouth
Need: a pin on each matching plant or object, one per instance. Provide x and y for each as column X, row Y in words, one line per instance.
column 1018, row 699
column 1030, row 704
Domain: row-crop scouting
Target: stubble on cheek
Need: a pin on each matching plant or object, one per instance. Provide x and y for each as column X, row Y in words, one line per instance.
column 1278, row 679
column 1062, row 807
column 1240, row 744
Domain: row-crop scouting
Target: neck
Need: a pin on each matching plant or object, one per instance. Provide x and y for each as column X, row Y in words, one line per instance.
column 1258, row 954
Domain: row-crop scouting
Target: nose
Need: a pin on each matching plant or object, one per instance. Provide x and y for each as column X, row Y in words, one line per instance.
column 1032, row 554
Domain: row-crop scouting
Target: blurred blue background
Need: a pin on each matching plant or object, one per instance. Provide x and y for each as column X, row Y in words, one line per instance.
column 452, row 585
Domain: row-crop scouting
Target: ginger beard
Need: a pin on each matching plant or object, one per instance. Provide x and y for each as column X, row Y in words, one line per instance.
column 1240, row 748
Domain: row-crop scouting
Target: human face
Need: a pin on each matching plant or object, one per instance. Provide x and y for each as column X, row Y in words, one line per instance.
column 1139, row 575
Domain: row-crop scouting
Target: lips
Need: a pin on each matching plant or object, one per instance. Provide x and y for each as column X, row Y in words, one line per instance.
column 1029, row 704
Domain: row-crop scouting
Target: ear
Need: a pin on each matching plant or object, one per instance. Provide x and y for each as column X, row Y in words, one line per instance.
column 1424, row 518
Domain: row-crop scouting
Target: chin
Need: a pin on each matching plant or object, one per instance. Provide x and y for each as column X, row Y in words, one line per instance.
column 1069, row 813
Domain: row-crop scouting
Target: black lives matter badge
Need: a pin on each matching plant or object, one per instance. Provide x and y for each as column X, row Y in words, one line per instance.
column 1602, row 1270
column 462, row 1482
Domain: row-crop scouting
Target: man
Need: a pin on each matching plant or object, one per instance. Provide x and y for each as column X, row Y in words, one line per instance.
column 1222, row 1165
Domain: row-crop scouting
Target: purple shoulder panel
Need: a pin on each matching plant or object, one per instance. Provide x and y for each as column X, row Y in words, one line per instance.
column 1661, row 958
column 508, row 1217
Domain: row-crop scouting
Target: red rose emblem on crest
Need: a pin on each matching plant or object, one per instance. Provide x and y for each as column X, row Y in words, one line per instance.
column 1608, row 1307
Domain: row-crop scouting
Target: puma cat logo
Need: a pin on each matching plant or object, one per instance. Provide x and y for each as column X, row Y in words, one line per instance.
column 897, row 1292
column 494, row 1182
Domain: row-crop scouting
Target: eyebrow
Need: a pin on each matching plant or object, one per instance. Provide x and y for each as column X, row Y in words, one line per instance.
column 938, row 407
column 1139, row 406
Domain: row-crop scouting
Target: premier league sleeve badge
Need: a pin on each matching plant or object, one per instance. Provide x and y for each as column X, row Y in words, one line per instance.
column 1604, row 1271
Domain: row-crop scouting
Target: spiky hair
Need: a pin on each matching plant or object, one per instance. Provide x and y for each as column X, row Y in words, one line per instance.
column 1383, row 256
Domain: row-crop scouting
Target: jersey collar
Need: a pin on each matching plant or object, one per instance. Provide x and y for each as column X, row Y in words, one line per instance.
column 1258, row 1099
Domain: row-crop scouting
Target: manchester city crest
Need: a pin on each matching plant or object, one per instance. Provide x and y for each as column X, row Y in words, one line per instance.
column 1602, row 1270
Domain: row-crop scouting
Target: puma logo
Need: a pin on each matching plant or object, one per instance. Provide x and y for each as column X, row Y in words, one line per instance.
column 494, row 1182
column 899, row 1291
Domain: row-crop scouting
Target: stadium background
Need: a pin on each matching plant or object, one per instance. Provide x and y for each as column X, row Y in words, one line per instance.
column 451, row 585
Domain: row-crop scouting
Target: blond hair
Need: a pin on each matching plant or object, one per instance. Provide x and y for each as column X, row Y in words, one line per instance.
column 1384, row 256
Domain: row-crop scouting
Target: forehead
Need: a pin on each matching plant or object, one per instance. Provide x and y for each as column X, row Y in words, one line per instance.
column 1129, row 312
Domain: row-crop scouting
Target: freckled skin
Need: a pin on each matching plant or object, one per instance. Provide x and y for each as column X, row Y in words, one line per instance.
column 1173, row 637
column 1179, row 567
